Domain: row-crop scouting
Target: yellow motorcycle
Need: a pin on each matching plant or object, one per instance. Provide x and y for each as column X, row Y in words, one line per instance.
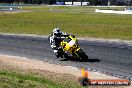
column 71, row 48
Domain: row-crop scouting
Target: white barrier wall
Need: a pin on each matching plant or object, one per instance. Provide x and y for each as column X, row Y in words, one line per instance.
column 77, row 3
column 113, row 11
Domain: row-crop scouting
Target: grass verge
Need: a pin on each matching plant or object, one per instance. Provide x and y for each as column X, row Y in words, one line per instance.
column 15, row 79
column 81, row 21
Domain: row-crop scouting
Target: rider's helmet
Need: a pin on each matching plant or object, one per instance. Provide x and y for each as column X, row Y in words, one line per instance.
column 57, row 32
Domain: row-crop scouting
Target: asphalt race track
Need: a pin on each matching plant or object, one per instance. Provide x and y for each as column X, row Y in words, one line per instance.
column 105, row 57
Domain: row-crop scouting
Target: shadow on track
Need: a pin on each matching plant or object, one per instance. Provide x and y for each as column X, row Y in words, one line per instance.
column 92, row 60
column 88, row 60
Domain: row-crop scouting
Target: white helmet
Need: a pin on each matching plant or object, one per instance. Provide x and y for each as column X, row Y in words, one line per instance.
column 57, row 31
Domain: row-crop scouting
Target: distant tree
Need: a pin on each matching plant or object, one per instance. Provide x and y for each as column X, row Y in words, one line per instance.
column 93, row 2
column 10, row 1
column 25, row 1
column 131, row 3
column 2, row 1
column 38, row 1
column 21, row 1
column 16, row 1
column 113, row 2
column 6, row 1
column 33, row 2
column 29, row 1
column 44, row 1
column 50, row 2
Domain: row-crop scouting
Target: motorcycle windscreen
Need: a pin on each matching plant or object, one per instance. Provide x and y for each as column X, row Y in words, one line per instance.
column 69, row 46
column 67, row 40
column 71, row 43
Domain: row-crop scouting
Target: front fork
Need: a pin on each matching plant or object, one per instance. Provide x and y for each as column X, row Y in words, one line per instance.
column 74, row 52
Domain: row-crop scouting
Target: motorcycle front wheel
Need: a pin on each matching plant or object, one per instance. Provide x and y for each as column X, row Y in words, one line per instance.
column 82, row 55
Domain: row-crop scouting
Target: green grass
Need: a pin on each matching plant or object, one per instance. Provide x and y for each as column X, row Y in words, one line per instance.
column 81, row 21
column 12, row 79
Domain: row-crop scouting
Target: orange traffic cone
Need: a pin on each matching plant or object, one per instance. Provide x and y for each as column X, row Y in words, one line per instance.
column 84, row 73
column 84, row 80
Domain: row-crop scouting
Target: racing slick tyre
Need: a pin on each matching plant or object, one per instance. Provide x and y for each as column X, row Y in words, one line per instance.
column 82, row 55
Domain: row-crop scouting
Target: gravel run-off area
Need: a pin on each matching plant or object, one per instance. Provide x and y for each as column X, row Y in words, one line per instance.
column 60, row 72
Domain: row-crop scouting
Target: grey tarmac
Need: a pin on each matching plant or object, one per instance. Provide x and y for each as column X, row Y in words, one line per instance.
column 107, row 57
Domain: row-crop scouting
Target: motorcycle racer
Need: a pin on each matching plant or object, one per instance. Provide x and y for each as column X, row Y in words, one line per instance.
column 55, row 39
